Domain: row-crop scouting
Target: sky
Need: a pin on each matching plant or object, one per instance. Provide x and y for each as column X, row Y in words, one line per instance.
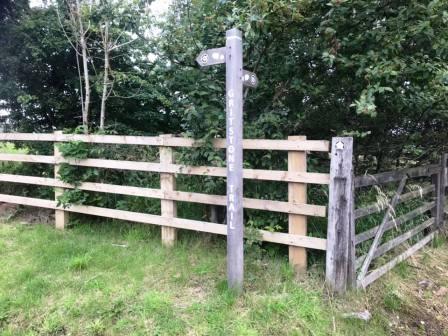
column 157, row 7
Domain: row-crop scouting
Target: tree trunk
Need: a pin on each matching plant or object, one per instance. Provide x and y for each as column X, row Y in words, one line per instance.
column 106, row 76
column 82, row 42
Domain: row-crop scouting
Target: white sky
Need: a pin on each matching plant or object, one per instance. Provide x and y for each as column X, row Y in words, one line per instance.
column 158, row 7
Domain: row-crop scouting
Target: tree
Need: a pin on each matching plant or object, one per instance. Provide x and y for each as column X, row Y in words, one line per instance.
column 343, row 67
column 78, row 26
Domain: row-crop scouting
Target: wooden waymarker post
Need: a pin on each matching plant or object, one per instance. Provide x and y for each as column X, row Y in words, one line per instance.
column 236, row 77
column 341, row 233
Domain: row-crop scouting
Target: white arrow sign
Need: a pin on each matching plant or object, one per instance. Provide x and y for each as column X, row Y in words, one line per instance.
column 212, row 57
column 250, row 79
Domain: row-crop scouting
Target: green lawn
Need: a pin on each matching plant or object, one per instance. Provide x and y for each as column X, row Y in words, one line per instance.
column 117, row 279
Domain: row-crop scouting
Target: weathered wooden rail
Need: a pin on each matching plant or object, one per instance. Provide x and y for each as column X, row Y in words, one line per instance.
column 391, row 236
column 296, row 176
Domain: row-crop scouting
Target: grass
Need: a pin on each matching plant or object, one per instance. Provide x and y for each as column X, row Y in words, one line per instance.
column 117, row 279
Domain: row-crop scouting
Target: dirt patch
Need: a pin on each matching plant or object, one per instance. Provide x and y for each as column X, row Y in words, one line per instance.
column 26, row 215
column 425, row 293
column 8, row 210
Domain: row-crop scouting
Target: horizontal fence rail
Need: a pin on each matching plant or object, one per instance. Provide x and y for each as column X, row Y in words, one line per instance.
column 253, row 144
column 168, row 195
column 179, row 223
column 396, row 176
column 250, row 203
column 253, row 174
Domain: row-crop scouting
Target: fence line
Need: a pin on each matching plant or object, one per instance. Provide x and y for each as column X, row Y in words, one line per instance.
column 296, row 238
column 342, row 239
column 179, row 223
column 253, row 144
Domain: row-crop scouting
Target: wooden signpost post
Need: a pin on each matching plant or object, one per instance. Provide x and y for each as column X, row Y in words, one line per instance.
column 236, row 78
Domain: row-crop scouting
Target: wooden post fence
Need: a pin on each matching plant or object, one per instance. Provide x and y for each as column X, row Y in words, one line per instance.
column 340, row 261
column 297, row 194
column 442, row 190
column 60, row 216
column 167, row 184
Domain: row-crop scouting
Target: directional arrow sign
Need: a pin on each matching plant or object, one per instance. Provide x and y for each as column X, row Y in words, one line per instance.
column 212, row 57
column 250, row 79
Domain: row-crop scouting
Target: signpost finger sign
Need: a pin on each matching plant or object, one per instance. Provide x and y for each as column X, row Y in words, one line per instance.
column 236, row 77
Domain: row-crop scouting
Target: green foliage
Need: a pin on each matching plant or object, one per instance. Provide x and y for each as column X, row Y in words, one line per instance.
column 74, row 150
column 393, row 300
column 80, row 263
column 72, row 196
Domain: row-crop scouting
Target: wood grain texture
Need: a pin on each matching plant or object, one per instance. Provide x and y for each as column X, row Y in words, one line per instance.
column 297, row 193
column 249, row 203
column 252, row 144
column 396, row 176
column 375, row 208
column 167, row 184
column 391, row 244
column 374, row 275
column 381, row 228
column 254, row 174
column 60, row 216
column 340, row 233
column 180, row 223
column 394, row 223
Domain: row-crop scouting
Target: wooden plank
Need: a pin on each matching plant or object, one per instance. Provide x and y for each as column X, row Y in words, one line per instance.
column 249, row 203
column 372, row 276
column 361, row 237
column 168, row 207
column 374, row 208
column 340, row 233
column 297, row 193
column 27, row 158
column 252, row 144
column 254, row 174
column 35, row 202
column 389, row 245
column 180, row 223
column 441, row 192
column 437, row 195
column 381, row 228
column 61, row 217
column 395, row 176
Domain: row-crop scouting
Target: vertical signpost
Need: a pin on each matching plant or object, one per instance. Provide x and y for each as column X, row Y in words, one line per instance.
column 236, row 78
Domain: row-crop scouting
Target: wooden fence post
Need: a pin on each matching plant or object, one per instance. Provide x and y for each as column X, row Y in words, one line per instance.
column 167, row 183
column 60, row 216
column 444, row 183
column 297, row 193
column 440, row 183
column 340, row 260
